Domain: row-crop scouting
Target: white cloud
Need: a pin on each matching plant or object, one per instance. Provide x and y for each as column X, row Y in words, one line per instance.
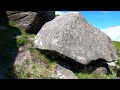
column 113, row 32
column 60, row 12
column 73, row 12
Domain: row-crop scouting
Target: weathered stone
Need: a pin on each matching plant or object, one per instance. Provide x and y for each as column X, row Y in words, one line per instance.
column 17, row 16
column 63, row 73
column 40, row 19
column 113, row 66
column 71, row 35
column 26, row 20
column 24, row 54
column 100, row 71
column 32, row 21
column 12, row 12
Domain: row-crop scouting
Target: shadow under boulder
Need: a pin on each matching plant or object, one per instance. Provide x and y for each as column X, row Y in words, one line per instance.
column 98, row 66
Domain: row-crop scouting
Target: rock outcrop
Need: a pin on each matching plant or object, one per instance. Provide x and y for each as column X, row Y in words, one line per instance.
column 23, row 18
column 24, row 54
column 40, row 19
column 71, row 35
column 32, row 21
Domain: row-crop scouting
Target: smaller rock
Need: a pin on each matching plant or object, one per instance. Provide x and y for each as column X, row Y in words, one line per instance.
column 24, row 54
column 63, row 73
column 113, row 66
column 118, row 78
column 100, row 70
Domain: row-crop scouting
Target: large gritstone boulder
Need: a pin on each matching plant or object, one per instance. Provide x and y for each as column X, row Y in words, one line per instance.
column 71, row 35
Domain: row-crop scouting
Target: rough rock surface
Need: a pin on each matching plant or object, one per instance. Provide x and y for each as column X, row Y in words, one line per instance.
column 113, row 66
column 100, row 71
column 71, row 35
column 40, row 19
column 21, row 17
column 32, row 21
column 24, row 54
column 63, row 73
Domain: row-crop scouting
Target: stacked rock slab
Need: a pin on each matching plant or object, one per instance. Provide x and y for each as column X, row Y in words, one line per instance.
column 32, row 21
column 23, row 18
column 71, row 35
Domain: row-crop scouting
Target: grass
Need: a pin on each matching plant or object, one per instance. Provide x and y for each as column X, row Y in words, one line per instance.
column 117, row 46
column 95, row 76
column 39, row 68
column 31, row 71
column 86, row 75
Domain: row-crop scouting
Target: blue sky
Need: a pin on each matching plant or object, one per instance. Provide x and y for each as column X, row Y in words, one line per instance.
column 101, row 19
column 106, row 21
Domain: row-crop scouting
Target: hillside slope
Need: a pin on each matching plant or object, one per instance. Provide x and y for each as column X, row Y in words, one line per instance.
column 36, row 65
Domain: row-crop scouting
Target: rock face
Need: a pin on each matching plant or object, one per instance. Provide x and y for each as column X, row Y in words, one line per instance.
column 24, row 54
column 32, row 21
column 63, row 73
column 71, row 35
column 100, row 71
column 21, row 17
column 40, row 19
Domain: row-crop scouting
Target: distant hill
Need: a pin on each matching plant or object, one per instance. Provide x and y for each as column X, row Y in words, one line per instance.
column 117, row 46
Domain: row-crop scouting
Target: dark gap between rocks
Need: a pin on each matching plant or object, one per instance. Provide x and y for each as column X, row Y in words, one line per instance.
column 72, row 64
